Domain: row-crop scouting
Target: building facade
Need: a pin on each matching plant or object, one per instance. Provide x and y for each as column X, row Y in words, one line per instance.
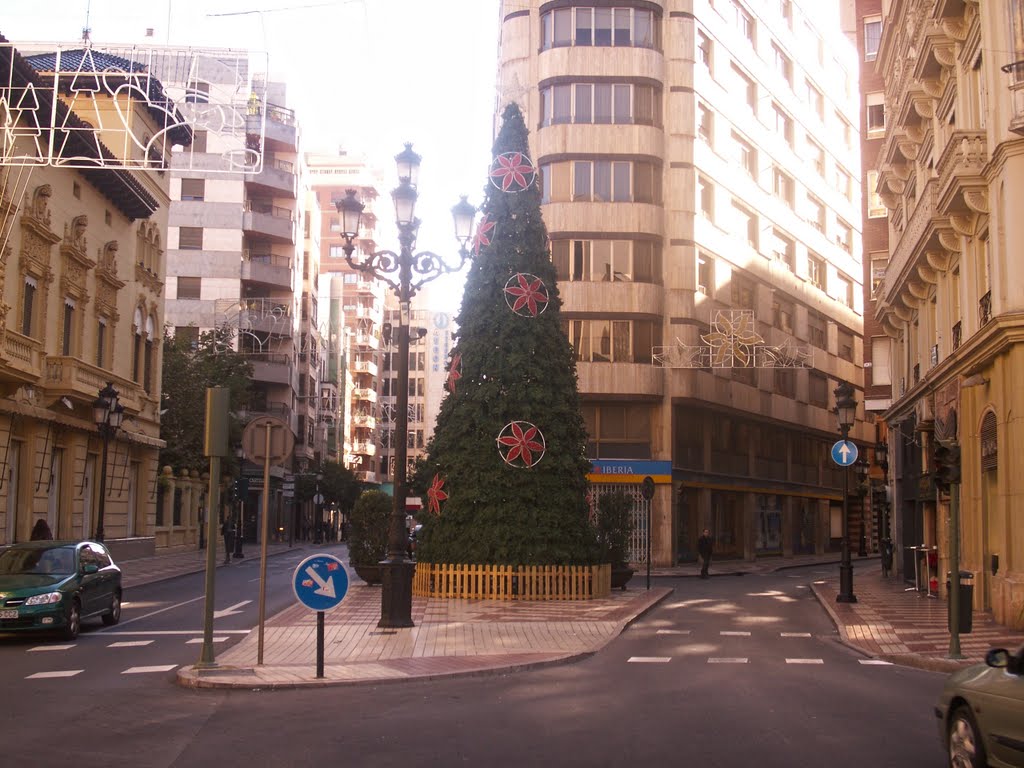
column 701, row 190
column 950, row 170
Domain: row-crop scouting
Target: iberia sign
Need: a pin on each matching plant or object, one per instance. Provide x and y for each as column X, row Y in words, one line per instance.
column 629, row 471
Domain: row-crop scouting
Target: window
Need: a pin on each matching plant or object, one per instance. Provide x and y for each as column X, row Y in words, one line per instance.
column 76, row 190
column 786, row 11
column 783, row 186
column 844, row 290
column 881, row 372
column 745, row 23
column 816, row 271
column 612, row 260
column 198, row 141
column 879, row 261
column 705, row 273
column 784, row 382
column 618, row 431
column 843, row 183
column 745, row 155
column 101, row 343
column 816, row 100
column 189, row 287
column 745, row 224
column 745, row 85
column 28, row 307
column 875, row 115
column 876, row 208
column 817, row 389
column 68, row 327
column 872, row 36
column 193, row 189
column 190, row 238
column 601, row 181
column 782, row 315
column 599, row 27
column 705, row 124
column 845, row 345
column 816, row 156
column 611, row 341
column 706, row 197
column 704, row 49
column 336, row 251
column 783, row 64
column 845, row 129
column 783, row 124
column 816, row 330
column 844, row 236
column 783, row 249
column 741, row 292
column 815, row 213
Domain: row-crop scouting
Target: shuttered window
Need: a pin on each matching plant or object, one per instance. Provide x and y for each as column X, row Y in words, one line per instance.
column 989, row 443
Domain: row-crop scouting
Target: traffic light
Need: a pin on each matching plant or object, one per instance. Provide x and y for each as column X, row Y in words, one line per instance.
column 241, row 488
column 940, row 466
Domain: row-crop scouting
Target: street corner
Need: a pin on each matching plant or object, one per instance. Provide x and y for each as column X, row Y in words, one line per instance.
column 218, row 677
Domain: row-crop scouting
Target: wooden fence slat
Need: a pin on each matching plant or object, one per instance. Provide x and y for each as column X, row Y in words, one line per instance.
column 511, row 582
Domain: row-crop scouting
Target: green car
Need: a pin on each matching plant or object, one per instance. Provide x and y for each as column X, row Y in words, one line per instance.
column 54, row 585
column 981, row 713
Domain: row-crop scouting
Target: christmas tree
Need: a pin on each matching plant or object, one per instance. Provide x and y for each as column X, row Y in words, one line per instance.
column 506, row 467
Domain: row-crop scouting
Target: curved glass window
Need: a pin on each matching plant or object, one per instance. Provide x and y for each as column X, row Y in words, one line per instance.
column 602, row 27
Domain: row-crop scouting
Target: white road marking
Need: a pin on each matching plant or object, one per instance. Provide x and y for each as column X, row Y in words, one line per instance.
column 875, row 662
column 159, row 632
column 805, row 661
column 57, row 673
column 673, row 632
column 130, row 643
column 727, row 660
column 231, row 610
column 794, row 634
column 197, row 640
column 162, row 610
column 727, row 633
column 143, row 670
column 649, row 659
column 50, row 648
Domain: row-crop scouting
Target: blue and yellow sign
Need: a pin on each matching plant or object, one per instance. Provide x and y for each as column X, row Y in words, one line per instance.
column 629, row 471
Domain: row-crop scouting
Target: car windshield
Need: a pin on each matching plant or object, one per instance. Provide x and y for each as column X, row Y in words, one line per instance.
column 59, row 560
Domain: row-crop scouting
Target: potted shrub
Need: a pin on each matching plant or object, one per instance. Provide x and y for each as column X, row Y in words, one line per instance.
column 368, row 535
column 614, row 528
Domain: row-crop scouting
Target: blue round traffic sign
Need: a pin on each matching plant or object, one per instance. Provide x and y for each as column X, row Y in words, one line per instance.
column 320, row 582
column 844, row 453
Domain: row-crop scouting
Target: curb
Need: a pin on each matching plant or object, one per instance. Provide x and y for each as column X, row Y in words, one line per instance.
column 190, row 677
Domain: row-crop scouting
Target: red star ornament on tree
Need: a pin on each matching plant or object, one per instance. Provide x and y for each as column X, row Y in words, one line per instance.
column 454, row 371
column 435, row 495
column 482, row 236
column 519, row 441
column 526, row 294
column 512, row 172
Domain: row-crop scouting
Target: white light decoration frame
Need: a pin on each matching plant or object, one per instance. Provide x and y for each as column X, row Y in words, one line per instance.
column 734, row 342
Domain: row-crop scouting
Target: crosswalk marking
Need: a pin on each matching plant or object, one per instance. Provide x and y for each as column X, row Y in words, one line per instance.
column 673, row 632
column 50, row 648
column 144, row 670
column 197, row 640
column 805, row 661
column 727, row 660
column 649, row 659
column 731, row 633
column 130, row 643
column 875, row 662
column 55, row 673
column 794, row 634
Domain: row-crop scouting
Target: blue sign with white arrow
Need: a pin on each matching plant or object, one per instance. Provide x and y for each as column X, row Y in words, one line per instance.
column 844, row 453
column 320, row 582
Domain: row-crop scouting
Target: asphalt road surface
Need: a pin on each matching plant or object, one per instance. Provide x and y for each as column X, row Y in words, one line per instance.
column 732, row 671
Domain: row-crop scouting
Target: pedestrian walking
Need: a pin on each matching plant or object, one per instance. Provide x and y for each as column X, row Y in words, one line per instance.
column 228, row 532
column 41, row 531
column 704, row 548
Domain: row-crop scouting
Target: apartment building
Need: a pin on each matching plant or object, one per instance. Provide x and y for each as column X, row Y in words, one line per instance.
column 81, row 276
column 243, row 250
column 950, row 169
column 701, row 190
column 362, row 300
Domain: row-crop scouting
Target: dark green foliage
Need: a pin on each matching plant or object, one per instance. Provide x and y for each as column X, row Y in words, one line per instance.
column 368, row 530
column 614, row 526
column 188, row 370
column 337, row 484
column 514, row 368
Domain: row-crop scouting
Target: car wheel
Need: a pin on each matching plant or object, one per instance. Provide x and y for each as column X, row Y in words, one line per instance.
column 74, row 624
column 114, row 614
column 964, row 740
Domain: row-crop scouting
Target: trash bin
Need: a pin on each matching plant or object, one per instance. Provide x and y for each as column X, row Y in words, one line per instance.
column 966, row 607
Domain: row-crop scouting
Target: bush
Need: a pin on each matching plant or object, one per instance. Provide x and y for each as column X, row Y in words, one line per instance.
column 369, row 524
column 614, row 526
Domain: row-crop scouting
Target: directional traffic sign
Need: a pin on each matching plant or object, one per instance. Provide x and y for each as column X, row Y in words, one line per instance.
column 844, row 453
column 320, row 582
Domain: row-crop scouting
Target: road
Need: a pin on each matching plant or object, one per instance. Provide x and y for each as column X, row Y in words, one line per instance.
column 732, row 671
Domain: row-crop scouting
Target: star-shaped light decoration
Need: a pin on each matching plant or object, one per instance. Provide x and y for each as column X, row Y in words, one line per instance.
column 521, row 444
column 526, row 294
column 454, row 372
column 482, row 236
column 435, row 495
column 733, row 339
column 512, row 172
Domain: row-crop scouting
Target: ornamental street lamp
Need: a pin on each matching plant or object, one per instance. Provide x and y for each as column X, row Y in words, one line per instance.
column 406, row 273
column 846, row 411
column 861, row 467
column 882, row 459
column 108, row 413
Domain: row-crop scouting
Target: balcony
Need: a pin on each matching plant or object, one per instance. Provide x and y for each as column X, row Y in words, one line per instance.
column 279, row 130
column 364, row 422
column 270, row 367
column 278, row 410
column 271, row 221
column 267, row 268
column 365, row 393
column 961, row 171
column 364, row 366
column 266, row 316
column 277, row 178
column 22, row 359
column 367, row 340
column 366, row 476
column 73, row 377
column 919, row 236
column 364, row 448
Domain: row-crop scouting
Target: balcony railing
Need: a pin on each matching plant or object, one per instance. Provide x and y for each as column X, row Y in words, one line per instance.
column 985, row 308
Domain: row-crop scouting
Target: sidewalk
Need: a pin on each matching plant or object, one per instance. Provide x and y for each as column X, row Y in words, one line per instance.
column 182, row 561
column 459, row 637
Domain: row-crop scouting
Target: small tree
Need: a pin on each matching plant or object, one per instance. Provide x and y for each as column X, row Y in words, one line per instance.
column 614, row 527
column 370, row 523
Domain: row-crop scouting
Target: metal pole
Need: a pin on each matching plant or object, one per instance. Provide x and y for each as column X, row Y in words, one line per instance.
column 263, row 546
column 845, row 566
column 319, row 644
column 105, row 429
column 650, row 521
column 954, row 576
column 206, row 657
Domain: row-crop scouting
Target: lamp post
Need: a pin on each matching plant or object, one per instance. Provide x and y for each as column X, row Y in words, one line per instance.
column 406, row 272
column 882, row 459
column 861, row 468
column 108, row 413
column 846, row 411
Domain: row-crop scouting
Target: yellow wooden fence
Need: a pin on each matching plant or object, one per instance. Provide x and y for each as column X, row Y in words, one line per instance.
column 512, row 582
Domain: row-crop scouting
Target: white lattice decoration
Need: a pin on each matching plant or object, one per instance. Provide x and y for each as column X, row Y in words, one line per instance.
column 734, row 343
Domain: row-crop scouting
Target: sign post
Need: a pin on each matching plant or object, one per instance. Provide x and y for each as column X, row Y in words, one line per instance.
column 647, row 491
column 320, row 583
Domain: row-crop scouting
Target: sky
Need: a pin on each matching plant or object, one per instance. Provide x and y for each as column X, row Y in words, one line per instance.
column 363, row 75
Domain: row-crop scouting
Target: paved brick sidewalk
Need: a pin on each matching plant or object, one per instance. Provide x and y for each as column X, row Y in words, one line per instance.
column 168, row 565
